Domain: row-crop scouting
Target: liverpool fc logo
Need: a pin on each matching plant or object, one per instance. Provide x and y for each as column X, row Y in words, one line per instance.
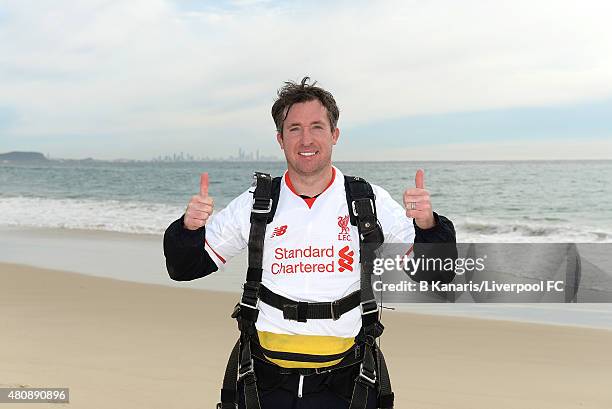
column 343, row 223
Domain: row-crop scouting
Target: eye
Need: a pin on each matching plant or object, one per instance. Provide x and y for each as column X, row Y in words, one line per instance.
column 294, row 129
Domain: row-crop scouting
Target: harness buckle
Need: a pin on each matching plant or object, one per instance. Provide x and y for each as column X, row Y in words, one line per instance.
column 220, row 405
column 250, row 293
column 331, row 307
column 253, row 307
column 236, row 312
column 368, row 307
column 260, row 205
column 355, row 212
column 292, row 312
column 232, row 405
column 246, row 370
column 367, row 375
column 257, row 206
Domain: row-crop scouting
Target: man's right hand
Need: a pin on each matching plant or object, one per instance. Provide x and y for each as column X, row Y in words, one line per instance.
column 200, row 206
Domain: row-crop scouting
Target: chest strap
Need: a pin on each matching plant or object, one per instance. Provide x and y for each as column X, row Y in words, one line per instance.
column 303, row 311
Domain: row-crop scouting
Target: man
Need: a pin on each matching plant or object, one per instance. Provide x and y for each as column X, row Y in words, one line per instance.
column 311, row 255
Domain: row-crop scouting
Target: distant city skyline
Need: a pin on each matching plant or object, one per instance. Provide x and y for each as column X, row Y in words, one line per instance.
column 241, row 156
column 427, row 80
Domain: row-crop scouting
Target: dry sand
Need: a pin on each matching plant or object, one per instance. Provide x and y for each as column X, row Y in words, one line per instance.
column 118, row 344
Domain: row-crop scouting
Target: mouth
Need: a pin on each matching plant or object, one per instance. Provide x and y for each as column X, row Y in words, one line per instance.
column 308, row 154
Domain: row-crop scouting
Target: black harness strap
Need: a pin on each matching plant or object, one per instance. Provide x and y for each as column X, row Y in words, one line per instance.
column 262, row 212
column 362, row 210
column 303, row 311
column 228, row 391
column 385, row 394
column 246, row 374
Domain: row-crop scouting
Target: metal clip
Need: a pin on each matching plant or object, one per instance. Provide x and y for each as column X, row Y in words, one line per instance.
column 331, row 307
column 266, row 210
column 250, row 369
column 371, row 380
column 253, row 307
column 362, row 305
column 355, row 213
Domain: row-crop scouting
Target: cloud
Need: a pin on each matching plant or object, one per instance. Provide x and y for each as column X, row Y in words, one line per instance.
column 186, row 72
column 584, row 149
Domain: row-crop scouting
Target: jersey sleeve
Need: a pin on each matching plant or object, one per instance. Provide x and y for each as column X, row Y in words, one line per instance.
column 396, row 226
column 228, row 231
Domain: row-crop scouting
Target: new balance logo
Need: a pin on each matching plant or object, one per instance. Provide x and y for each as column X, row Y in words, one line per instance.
column 279, row 231
column 346, row 259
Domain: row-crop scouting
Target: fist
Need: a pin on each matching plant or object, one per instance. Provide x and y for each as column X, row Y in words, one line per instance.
column 418, row 204
column 200, row 207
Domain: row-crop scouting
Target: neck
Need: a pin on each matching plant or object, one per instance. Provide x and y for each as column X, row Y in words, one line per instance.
column 311, row 184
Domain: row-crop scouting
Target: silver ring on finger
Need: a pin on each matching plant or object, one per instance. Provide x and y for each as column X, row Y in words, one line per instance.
column 412, row 205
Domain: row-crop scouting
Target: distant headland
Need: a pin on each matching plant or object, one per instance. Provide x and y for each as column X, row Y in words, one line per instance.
column 23, row 157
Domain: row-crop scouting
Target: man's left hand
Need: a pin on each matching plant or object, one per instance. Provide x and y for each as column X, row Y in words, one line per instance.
column 418, row 204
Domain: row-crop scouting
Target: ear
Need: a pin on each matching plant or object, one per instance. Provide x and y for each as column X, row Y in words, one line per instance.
column 279, row 139
column 335, row 135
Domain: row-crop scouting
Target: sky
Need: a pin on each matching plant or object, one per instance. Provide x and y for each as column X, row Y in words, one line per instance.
column 414, row 80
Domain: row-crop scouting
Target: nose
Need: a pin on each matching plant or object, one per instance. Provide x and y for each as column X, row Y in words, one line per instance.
column 307, row 137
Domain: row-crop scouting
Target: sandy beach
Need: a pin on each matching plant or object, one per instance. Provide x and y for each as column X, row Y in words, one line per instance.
column 133, row 345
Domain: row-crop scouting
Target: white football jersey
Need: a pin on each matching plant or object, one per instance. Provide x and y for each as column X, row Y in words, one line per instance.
column 311, row 254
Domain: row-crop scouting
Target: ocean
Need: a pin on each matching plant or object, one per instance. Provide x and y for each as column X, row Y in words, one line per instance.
column 489, row 202
column 530, row 201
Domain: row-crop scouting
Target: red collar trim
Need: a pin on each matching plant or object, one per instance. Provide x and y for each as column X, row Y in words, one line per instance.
column 310, row 200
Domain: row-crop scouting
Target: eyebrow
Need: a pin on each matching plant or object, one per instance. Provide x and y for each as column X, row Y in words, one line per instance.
column 299, row 124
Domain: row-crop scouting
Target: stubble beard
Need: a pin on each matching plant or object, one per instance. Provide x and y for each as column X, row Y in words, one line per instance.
column 313, row 169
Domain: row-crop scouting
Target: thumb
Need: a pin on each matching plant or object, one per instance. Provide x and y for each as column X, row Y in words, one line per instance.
column 419, row 179
column 204, row 184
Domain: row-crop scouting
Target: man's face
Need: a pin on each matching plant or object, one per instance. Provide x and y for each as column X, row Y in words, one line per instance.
column 307, row 138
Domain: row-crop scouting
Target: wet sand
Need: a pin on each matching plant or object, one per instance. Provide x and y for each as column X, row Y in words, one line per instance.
column 132, row 345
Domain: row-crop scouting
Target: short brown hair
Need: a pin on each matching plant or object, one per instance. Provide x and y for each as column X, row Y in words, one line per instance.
column 293, row 93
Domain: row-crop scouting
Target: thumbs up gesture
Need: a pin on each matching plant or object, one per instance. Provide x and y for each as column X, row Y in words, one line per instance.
column 200, row 206
column 418, row 203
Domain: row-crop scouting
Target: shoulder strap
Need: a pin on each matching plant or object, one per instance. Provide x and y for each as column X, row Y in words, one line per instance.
column 265, row 201
column 362, row 210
